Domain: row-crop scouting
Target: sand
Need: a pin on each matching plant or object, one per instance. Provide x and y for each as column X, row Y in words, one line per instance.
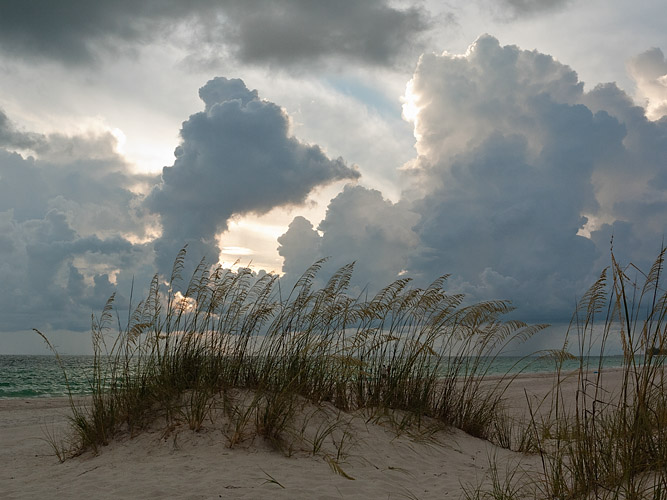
column 189, row 465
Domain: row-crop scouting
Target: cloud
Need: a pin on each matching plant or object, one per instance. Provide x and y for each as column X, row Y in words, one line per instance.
column 631, row 189
column 516, row 162
column 361, row 226
column 53, row 277
column 236, row 157
column 81, row 176
column 75, row 31
column 519, row 182
column 300, row 247
column 12, row 138
column 283, row 32
column 532, row 6
column 513, row 9
column 291, row 32
column 66, row 228
column 649, row 70
column 75, row 224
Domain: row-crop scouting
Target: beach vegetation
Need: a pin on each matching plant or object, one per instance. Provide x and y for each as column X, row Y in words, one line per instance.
column 230, row 345
column 608, row 441
column 296, row 370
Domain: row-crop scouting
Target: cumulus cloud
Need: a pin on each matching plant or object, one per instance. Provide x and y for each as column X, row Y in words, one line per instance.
column 649, row 70
column 235, row 157
column 74, row 222
column 520, row 181
column 631, row 189
column 65, row 229
column 82, row 176
column 361, row 226
column 12, row 138
column 512, row 189
column 278, row 32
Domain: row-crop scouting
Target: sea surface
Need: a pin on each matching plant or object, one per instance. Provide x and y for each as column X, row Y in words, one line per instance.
column 42, row 376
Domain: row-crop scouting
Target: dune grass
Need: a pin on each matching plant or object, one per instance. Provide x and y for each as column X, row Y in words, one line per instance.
column 229, row 343
column 292, row 369
column 614, row 444
column 610, row 442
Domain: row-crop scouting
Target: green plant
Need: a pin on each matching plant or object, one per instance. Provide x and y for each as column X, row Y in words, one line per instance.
column 408, row 352
column 611, row 444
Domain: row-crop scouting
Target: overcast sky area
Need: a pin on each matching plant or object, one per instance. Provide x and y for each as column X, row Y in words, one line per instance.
column 504, row 142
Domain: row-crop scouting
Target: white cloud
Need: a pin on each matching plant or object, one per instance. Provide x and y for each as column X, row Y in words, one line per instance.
column 649, row 70
column 512, row 157
column 506, row 191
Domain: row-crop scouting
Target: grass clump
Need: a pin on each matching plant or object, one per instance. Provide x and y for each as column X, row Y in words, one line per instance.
column 229, row 343
column 610, row 442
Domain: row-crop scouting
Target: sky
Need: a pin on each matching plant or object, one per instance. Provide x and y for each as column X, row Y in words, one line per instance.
column 503, row 142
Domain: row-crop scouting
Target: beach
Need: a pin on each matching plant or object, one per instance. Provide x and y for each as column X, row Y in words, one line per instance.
column 379, row 461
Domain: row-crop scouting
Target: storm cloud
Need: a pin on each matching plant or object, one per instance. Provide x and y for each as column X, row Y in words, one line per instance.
column 293, row 31
column 77, row 224
column 66, row 230
column 12, row 138
column 236, row 157
column 360, row 226
column 512, row 10
column 520, row 180
column 283, row 32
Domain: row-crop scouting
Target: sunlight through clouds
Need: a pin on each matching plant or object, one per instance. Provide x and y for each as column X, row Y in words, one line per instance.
column 397, row 135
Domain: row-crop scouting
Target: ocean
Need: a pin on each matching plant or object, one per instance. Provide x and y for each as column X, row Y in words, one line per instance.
column 41, row 376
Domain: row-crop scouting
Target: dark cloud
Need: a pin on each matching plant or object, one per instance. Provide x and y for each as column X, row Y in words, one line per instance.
column 513, row 9
column 361, row 226
column 236, row 157
column 12, row 138
column 65, row 229
column 294, row 31
column 631, row 189
column 53, row 277
column 73, row 31
column 58, row 277
column 521, row 180
column 277, row 32
column 515, row 158
column 300, row 247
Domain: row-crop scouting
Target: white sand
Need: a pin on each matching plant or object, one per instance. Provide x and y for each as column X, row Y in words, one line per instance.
column 200, row 466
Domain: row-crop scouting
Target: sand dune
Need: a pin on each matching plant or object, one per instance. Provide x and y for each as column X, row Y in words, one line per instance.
column 185, row 464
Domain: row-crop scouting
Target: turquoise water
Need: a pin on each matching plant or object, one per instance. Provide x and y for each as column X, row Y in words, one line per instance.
column 41, row 376
column 510, row 364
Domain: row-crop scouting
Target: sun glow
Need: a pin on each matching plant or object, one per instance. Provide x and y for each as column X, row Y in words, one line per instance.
column 251, row 242
column 410, row 107
column 121, row 140
column 236, row 251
